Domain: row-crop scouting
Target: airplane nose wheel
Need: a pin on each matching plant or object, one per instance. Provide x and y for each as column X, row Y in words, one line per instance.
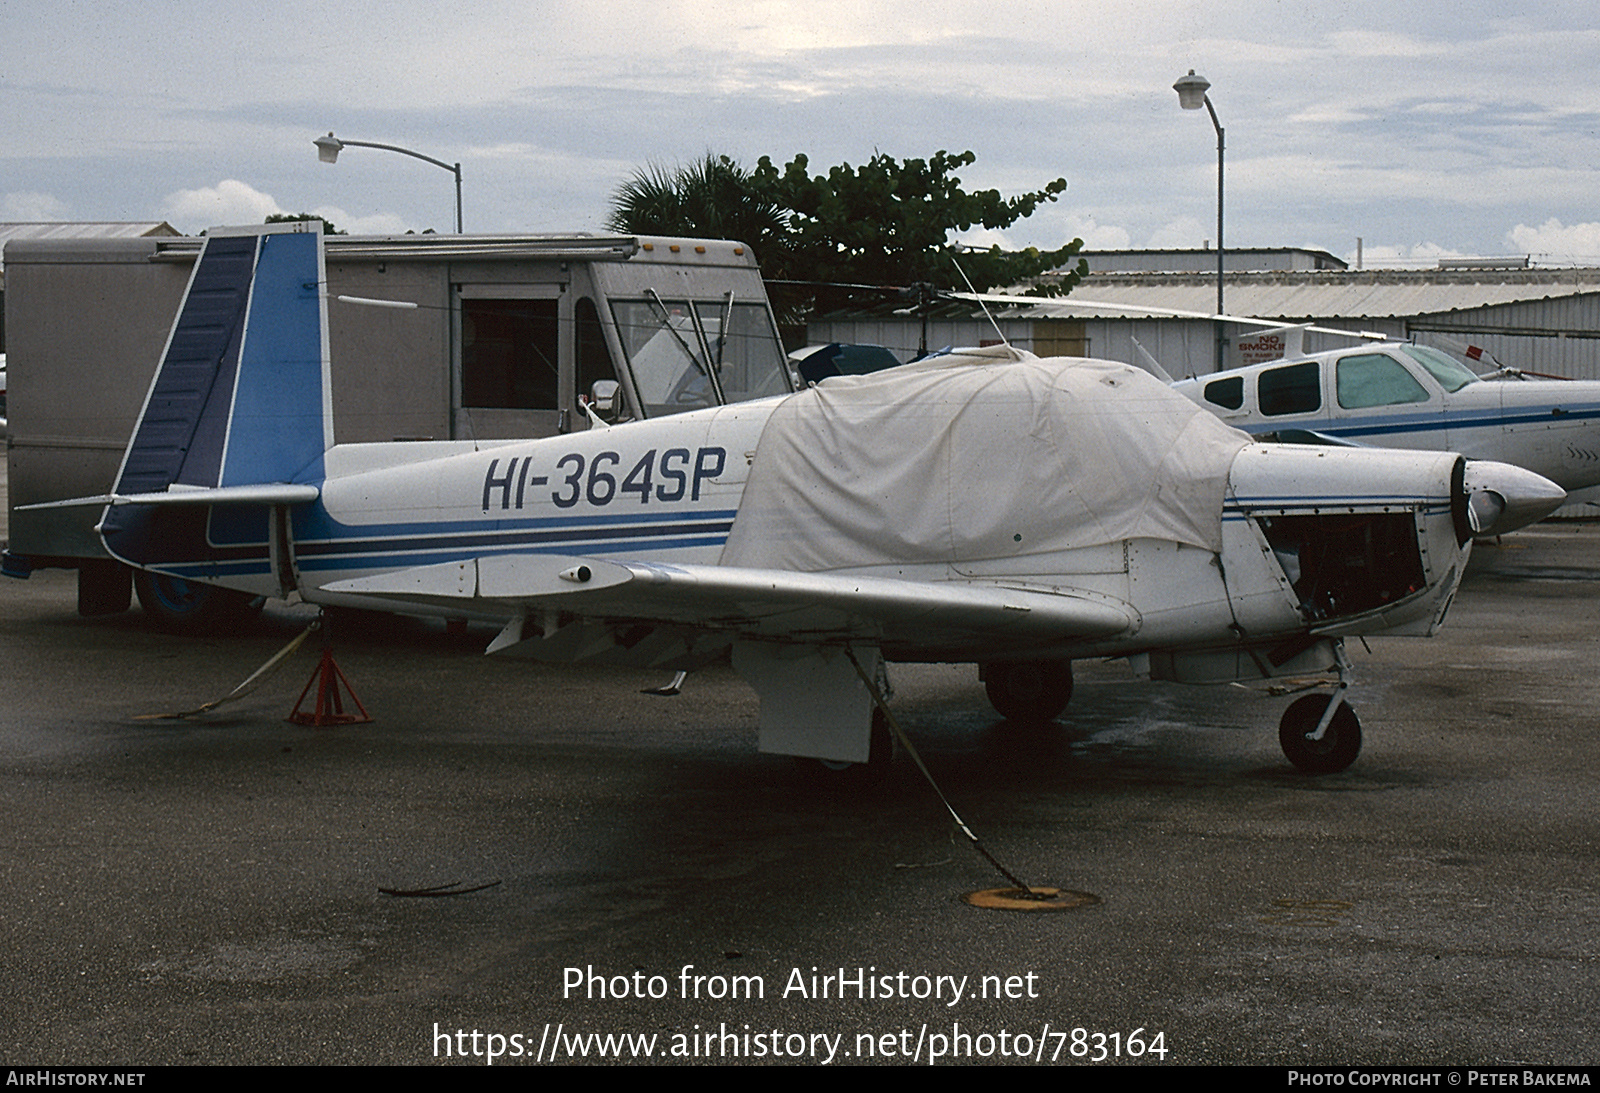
column 1337, row 749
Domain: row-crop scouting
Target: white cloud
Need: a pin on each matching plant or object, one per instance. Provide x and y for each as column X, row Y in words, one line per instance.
column 350, row 224
column 233, row 202
column 1097, row 236
column 1368, row 44
column 29, row 205
column 1447, row 109
column 1328, row 115
column 228, row 202
column 1048, row 229
column 1400, row 256
column 984, row 238
column 1557, row 243
column 1184, row 231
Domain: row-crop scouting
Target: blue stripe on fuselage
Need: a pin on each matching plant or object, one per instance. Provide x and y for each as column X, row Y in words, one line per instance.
column 323, row 543
column 1428, row 423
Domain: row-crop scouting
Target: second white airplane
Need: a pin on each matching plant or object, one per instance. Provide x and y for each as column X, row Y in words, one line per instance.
column 1399, row 395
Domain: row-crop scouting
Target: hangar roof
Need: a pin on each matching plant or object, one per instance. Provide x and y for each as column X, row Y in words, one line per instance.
column 1370, row 294
column 83, row 229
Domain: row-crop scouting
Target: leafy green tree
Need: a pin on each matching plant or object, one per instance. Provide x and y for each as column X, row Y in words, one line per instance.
column 822, row 238
column 890, row 222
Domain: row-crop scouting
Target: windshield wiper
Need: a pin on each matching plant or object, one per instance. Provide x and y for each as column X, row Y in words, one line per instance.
column 722, row 326
column 664, row 317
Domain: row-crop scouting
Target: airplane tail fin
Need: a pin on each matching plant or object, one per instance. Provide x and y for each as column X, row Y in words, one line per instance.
column 242, row 395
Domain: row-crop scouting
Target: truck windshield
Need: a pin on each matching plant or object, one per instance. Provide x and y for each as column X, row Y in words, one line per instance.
column 745, row 349
column 686, row 355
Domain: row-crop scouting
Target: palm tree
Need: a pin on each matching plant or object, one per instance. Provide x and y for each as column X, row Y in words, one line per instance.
column 711, row 198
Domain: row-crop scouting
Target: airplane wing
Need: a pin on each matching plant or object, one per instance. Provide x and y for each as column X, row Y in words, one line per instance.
column 813, row 608
column 1142, row 309
column 1308, row 436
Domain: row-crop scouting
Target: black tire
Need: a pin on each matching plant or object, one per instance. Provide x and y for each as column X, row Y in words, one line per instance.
column 1338, row 747
column 190, row 608
column 1029, row 692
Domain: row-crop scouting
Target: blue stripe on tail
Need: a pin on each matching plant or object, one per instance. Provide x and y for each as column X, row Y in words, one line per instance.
column 278, row 429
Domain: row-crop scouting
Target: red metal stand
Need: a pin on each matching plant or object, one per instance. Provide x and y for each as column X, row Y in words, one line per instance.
column 329, row 707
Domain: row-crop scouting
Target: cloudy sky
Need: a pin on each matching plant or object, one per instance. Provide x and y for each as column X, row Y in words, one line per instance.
column 1428, row 129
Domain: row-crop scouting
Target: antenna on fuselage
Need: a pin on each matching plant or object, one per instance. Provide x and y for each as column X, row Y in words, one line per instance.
column 987, row 313
column 1149, row 363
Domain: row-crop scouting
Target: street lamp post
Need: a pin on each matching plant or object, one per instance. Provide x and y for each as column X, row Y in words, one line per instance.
column 328, row 149
column 1192, row 95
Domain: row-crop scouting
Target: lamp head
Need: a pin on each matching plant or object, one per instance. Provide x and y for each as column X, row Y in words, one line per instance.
column 1191, row 91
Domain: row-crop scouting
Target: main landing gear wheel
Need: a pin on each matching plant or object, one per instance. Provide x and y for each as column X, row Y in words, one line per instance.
column 1030, row 692
column 192, row 608
column 1338, row 747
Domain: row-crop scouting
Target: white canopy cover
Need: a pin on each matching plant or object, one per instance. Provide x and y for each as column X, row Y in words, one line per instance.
column 982, row 454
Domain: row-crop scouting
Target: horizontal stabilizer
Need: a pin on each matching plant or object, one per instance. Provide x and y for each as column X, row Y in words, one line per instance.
column 271, row 493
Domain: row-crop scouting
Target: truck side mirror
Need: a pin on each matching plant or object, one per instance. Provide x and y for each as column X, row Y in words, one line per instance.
column 603, row 397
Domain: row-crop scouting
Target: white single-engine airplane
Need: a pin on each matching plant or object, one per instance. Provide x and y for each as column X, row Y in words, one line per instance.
column 1387, row 395
column 983, row 506
column 1399, row 395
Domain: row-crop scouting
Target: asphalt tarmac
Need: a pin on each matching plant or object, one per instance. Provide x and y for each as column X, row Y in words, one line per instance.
column 210, row 890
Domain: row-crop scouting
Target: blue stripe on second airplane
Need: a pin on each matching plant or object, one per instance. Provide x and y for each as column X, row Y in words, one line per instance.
column 1436, row 421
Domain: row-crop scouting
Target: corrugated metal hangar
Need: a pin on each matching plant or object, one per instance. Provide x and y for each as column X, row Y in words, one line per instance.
column 1538, row 320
